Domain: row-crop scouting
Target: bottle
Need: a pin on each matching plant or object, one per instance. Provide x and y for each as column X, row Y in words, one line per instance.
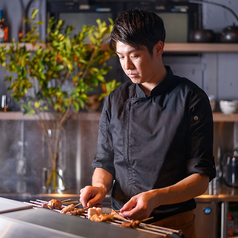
column 4, row 103
column 230, row 225
column 3, row 28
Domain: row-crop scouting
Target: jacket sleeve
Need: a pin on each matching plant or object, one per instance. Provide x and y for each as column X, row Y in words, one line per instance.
column 200, row 137
column 105, row 154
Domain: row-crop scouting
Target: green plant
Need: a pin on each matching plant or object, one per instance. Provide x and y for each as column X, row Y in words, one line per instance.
column 108, row 87
column 54, row 79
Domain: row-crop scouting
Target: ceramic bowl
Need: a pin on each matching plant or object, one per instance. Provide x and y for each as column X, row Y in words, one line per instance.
column 228, row 107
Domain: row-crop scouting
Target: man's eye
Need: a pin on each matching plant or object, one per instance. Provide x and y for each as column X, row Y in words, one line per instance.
column 134, row 56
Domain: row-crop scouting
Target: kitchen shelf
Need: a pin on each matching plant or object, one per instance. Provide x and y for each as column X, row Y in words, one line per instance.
column 18, row 116
column 221, row 117
column 200, row 48
column 173, row 47
column 29, row 46
column 95, row 116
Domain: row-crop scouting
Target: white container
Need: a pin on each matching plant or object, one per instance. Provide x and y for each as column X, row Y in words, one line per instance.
column 228, row 107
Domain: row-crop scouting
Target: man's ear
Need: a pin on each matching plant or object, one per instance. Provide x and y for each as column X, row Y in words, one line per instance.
column 159, row 48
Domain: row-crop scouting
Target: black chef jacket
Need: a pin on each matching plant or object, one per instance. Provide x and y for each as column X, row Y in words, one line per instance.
column 149, row 142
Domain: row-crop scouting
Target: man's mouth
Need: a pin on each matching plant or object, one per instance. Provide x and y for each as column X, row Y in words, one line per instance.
column 132, row 75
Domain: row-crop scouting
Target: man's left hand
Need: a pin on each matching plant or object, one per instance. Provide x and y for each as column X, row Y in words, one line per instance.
column 139, row 207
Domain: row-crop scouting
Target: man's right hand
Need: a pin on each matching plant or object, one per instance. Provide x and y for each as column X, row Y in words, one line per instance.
column 101, row 184
column 92, row 195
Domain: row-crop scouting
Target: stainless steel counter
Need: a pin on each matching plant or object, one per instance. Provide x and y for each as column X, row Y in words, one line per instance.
column 50, row 223
column 15, row 228
column 39, row 222
column 221, row 195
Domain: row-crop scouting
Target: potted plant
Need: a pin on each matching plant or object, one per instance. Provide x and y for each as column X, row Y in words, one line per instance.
column 108, row 87
column 53, row 80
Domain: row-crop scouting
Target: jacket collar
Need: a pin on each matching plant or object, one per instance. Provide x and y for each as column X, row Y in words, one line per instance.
column 160, row 88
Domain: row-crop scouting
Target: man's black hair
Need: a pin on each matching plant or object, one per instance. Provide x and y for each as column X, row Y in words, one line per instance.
column 138, row 28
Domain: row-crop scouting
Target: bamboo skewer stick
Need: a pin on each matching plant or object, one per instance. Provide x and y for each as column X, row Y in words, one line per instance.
column 145, row 228
column 34, row 204
column 147, row 219
column 78, row 204
column 157, row 232
column 109, row 211
column 66, row 200
column 162, row 228
column 153, row 232
column 42, row 201
column 70, row 202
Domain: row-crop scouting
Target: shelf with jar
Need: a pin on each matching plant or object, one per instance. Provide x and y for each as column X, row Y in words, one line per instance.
column 95, row 116
column 3, row 28
column 176, row 47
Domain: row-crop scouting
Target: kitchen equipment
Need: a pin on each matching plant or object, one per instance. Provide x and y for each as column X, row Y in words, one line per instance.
column 202, row 36
column 206, row 219
column 230, row 34
column 230, row 169
column 179, row 17
column 50, row 223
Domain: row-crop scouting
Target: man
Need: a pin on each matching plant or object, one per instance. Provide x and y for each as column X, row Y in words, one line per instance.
column 155, row 137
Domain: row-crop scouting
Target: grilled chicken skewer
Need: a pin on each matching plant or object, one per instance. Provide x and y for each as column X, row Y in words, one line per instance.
column 101, row 217
column 54, row 204
column 76, row 211
column 70, row 209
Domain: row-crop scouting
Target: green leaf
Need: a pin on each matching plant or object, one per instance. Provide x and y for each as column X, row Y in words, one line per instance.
column 39, row 22
column 59, row 67
column 34, row 13
column 76, row 106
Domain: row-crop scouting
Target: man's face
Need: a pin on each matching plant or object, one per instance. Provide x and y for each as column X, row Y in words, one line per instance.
column 139, row 65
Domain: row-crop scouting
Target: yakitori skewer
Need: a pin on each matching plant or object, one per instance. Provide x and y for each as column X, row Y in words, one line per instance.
column 52, row 204
column 66, row 200
column 108, row 216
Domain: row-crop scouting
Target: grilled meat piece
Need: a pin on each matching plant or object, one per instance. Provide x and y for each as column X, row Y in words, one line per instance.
column 54, row 204
column 75, row 212
column 45, row 205
column 131, row 223
column 67, row 209
column 102, row 217
column 94, row 210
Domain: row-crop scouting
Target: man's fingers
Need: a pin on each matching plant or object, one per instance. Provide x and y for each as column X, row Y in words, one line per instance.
column 128, row 206
column 85, row 195
column 90, row 196
column 92, row 201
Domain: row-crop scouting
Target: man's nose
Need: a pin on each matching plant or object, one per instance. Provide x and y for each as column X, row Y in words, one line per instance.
column 128, row 64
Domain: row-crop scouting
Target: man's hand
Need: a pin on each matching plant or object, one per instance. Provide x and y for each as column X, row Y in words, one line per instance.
column 139, row 207
column 92, row 195
column 101, row 185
